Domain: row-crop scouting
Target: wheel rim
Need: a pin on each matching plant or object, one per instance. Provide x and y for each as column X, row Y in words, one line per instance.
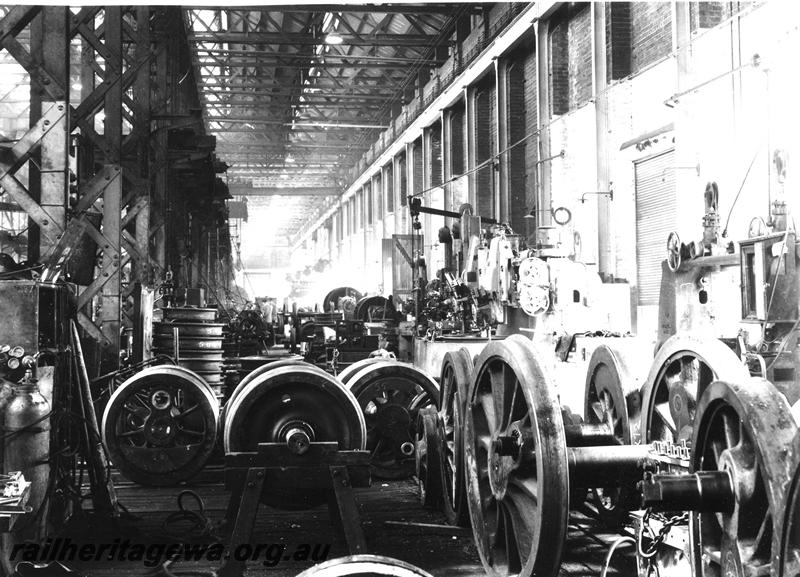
column 364, row 565
column 293, row 397
column 613, row 398
column 390, row 395
column 255, row 374
column 160, row 426
column 428, row 460
column 790, row 550
column 745, row 429
column 518, row 504
column 350, row 370
column 456, row 372
column 683, row 368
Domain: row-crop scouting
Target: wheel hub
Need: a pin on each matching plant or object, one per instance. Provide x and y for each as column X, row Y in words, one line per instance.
column 160, row 430
column 682, row 405
column 393, row 421
column 504, row 454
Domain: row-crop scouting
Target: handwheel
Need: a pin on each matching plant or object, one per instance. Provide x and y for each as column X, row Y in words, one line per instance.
column 613, row 397
column 682, row 369
column 743, row 428
column 160, row 425
column 287, row 400
column 789, row 564
column 364, row 565
column 457, row 369
column 428, row 461
column 516, row 462
column 674, row 259
column 391, row 394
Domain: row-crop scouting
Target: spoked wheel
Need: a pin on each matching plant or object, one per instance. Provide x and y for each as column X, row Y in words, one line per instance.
column 456, row 374
column 391, row 394
column 790, row 550
column 364, row 565
column 744, row 429
column 160, row 425
column 516, row 462
column 613, row 398
column 683, row 368
column 374, row 308
column 289, row 401
column 428, row 461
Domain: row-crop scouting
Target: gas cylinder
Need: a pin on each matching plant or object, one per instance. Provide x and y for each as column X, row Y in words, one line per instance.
column 27, row 443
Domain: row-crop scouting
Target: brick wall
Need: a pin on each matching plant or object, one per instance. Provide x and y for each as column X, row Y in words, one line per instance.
column 389, row 188
column 435, row 168
column 651, row 33
column 519, row 202
column 457, row 138
column 579, row 42
column 559, row 65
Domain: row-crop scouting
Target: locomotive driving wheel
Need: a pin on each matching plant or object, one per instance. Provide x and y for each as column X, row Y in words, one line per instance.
column 160, row 425
column 516, row 462
column 744, row 429
column 790, row 549
column 390, row 395
column 613, row 398
column 366, row 565
column 428, row 461
column 683, row 368
column 457, row 369
column 295, row 405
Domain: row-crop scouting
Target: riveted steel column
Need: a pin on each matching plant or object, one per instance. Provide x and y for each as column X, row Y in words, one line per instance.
column 112, row 199
column 142, row 271
column 49, row 172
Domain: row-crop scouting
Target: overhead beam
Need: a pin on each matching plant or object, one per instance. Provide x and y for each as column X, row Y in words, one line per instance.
column 300, row 64
column 283, row 191
column 302, row 39
column 267, row 55
column 444, row 8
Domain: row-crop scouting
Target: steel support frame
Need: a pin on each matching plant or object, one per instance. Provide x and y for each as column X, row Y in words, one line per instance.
column 52, row 120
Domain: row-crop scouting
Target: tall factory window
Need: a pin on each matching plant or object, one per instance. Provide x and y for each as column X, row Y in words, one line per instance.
column 359, row 210
column 416, row 154
column 651, row 33
column 708, row 14
column 517, row 114
column 485, row 128
column 435, row 160
column 457, row 138
column 618, row 40
column 656, row 217
column 377, row 197
column 570, row 58
column 368, row 203
column 402, row 179
column 388, row 184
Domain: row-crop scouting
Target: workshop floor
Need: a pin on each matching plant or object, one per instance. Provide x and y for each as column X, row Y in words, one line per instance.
column 391, row 516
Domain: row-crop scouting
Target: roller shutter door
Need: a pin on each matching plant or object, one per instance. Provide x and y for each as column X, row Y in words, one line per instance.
column 656, row 217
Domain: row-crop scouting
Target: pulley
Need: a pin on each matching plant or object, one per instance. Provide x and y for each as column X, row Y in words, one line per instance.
column 331, row 301
column 374, row 308
column 295, row 405
column 160, row 425
column 456, row 373
column 390, row 395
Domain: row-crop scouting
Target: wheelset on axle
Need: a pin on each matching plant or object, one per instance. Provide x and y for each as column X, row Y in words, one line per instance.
column 523, row 464
column 293, row 405
column 160, row 425
column 391, row 395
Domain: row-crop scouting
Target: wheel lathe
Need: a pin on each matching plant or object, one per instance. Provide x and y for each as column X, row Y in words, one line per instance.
column 522, row 463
